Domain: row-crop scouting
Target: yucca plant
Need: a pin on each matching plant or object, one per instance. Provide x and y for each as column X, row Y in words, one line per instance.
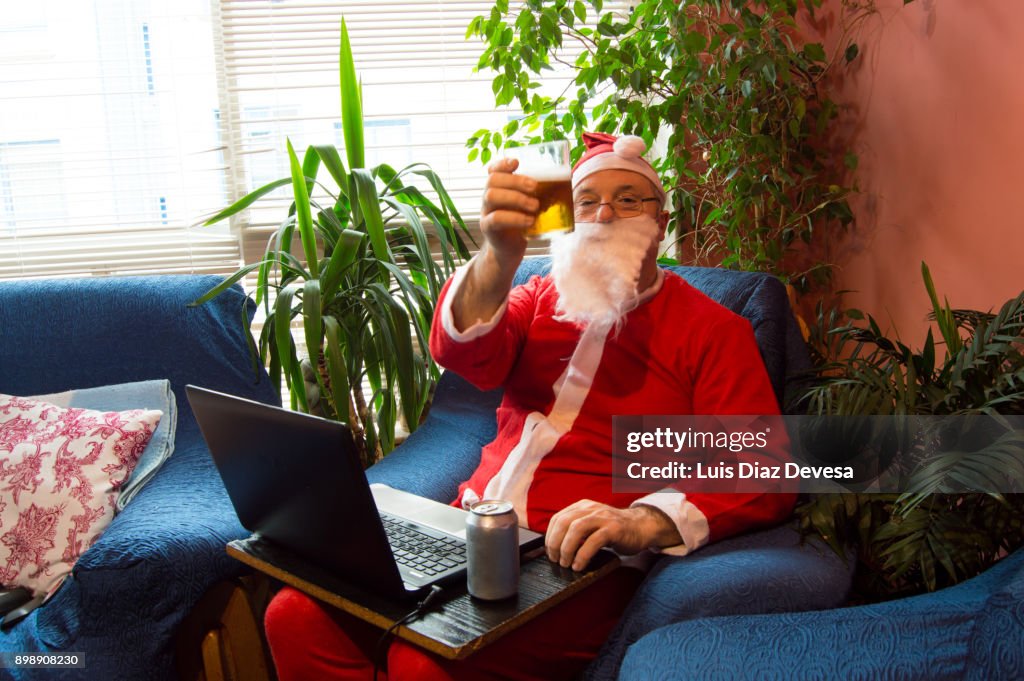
column 926, row 538
column 362, row 280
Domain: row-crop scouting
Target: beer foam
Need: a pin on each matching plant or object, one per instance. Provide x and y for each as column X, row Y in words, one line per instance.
column 546, row 173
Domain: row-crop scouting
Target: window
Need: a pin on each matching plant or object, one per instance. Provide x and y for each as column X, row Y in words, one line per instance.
column 262, row 150
column 386, row 141
column 27, row 170
column 125, row 125
column 108, row 151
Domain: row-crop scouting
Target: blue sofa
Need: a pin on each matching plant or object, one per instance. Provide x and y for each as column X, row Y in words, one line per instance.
column 763, row 572
column 132, row 589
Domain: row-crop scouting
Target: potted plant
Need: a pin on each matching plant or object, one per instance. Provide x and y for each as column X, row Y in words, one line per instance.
column 923, row 539
column 356, row 271
column 754, row 157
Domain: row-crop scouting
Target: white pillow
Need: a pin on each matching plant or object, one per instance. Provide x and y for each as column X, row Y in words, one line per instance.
column 60, row 470
column 153, row 394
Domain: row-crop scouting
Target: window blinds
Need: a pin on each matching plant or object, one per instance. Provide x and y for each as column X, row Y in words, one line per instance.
column 109, row 146
column 124, row 124
column 421, row 97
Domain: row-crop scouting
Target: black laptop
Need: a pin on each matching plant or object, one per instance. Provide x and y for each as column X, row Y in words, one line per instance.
column 296, row 480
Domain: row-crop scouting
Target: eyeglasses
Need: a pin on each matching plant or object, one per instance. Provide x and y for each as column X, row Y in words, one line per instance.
column 586, row 209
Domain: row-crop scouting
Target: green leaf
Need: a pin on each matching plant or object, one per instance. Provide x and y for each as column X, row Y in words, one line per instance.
column 342, row 257
column 694, row 42
column 247, row 200
column 312, row 322
column 732, row 73
column 547, row 26
column 580, row 10
column 800, row 108
column 351, row 103
column 943, row 314
column 285, row 347
column 303, row 217
column 334, row 353
column 398, row 326
column 226, row 284
column 310, row 168
column 332, row 161
column 794, row 128
column 852, row 50
column 815, row 52
column 369, row 206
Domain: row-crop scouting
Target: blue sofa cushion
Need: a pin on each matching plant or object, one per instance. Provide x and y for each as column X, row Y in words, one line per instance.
column 974, row 630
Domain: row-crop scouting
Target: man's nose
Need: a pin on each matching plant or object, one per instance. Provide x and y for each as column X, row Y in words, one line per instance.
column 605, row 213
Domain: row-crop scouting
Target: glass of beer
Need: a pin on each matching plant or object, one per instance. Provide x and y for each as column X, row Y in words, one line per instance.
column 548, row 164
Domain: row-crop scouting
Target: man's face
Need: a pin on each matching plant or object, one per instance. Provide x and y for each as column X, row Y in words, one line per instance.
column 601, row 267
column 600, row 195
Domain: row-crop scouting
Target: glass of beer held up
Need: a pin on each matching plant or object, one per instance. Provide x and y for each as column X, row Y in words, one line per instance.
column 548, row 164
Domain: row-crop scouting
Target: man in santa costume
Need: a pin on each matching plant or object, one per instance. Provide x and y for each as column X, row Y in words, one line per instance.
column 606, row 333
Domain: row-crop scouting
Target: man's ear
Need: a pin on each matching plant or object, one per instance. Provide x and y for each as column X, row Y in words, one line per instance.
column 662, row 224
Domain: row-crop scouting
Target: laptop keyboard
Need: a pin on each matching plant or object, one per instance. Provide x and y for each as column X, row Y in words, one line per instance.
column 419, row 549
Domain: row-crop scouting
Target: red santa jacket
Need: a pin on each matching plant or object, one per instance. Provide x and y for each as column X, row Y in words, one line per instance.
column 679, row 352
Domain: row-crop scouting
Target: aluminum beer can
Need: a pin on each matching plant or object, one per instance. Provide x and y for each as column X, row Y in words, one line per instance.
column 492, row 550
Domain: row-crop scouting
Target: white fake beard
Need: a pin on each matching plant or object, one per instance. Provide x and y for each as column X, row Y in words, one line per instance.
column 596, row 269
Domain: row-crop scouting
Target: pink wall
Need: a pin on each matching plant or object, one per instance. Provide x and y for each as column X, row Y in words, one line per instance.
column 937, row 105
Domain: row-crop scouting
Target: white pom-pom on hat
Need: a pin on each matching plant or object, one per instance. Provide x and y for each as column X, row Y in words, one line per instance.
column 629, row 146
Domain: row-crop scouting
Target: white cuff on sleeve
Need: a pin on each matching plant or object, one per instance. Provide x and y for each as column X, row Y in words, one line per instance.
column 688, row 519
column 478, row 328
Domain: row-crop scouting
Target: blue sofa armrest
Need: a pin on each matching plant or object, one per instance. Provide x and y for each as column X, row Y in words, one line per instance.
column 132, row 588
column 445, row 450
column 974, row 631
column 761, row 572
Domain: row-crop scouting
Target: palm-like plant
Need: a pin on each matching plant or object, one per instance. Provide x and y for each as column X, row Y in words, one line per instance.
column 363, row 285
column 927, row 537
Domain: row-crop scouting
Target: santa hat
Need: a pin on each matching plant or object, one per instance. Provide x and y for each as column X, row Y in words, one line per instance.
column 605, row 152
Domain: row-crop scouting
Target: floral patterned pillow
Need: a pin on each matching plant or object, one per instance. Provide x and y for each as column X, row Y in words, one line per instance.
column 60, row 470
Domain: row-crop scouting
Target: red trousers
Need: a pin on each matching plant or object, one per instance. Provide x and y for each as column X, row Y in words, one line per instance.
column 311, row 640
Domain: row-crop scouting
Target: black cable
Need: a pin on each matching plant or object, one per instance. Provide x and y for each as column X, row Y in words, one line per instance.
column 381, row 650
